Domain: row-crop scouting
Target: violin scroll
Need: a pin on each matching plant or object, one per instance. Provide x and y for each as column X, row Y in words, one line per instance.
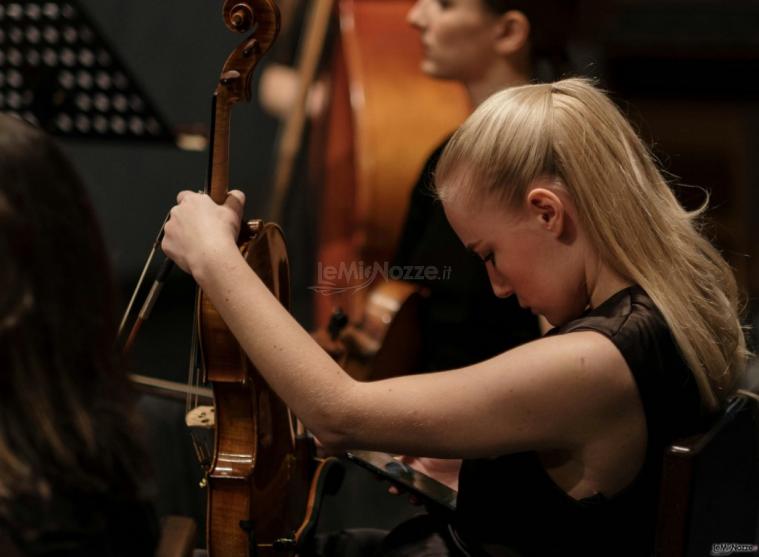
column 240, row 16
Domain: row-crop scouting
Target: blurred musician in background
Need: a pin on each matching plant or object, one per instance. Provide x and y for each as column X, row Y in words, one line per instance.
column 486, row 45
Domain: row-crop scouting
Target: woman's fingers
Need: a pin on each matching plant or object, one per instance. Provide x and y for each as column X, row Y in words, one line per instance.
column 199, row 228
column 182, row 194
column 236, row 200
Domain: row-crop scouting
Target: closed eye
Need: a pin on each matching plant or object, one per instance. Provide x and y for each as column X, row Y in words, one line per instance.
column 489, row 256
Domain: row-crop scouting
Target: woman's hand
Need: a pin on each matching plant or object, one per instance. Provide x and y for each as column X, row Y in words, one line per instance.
column 200, row 232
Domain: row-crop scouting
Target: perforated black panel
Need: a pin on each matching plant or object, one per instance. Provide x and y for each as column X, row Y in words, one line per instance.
column 58, row 72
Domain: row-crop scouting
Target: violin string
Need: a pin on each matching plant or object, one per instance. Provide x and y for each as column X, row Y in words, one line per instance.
column 193, row 372
column 197, row 356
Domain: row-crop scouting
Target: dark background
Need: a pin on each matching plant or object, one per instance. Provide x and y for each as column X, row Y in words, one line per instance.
column 685, row 71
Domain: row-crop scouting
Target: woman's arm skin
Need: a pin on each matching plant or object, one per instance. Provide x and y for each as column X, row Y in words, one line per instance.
column 564, row 392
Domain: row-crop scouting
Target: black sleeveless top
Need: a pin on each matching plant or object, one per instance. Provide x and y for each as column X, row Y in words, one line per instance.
column 511, row 500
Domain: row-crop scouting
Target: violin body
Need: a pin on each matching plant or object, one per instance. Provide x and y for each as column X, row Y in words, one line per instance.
column 260, row 479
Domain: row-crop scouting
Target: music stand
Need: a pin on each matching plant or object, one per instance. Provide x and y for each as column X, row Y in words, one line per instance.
column 57, row 72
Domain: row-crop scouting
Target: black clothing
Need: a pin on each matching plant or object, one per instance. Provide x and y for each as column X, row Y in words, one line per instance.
column 462, row 321
column 511, row 500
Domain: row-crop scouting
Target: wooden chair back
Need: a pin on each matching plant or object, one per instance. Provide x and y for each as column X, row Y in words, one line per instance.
column 709, row 502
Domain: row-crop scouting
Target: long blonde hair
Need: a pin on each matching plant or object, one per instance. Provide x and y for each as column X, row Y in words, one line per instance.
column 572, row 132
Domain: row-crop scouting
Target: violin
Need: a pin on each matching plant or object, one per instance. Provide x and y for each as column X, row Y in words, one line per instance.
column 263, row 480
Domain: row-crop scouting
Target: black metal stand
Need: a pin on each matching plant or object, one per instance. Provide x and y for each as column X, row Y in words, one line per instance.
column 59, row 73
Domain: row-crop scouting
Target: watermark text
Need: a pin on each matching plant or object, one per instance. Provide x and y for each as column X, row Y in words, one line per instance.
column 357, row 275
column 719, row 549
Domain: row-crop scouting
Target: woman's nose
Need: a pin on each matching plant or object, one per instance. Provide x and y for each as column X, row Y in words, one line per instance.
column 498, row 282
column 414, row 15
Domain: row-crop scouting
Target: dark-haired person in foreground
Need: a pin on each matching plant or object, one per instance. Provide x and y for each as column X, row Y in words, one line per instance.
column 71, row 472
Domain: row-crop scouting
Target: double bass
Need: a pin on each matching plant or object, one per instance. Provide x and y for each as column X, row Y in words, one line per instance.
column 263, row 479
column 384, row 118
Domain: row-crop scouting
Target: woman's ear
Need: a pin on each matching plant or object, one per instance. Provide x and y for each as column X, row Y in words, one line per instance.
column 547, row 209
column 512, row 33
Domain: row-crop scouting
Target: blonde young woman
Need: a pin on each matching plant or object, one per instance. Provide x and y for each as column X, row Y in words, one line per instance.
column 562, row 437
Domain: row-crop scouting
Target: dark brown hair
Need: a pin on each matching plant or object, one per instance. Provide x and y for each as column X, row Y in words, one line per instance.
column 65, row 408
column 551, row 23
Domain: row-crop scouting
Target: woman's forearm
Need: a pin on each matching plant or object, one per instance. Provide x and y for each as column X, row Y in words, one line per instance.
column 300, row 372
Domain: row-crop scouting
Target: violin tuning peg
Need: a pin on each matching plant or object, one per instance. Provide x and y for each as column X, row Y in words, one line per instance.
column 229, row 77
column 255, row 226
column 253, row 47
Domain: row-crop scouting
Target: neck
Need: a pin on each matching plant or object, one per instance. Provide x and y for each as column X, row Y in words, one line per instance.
column 497, row 78
column 603, row 283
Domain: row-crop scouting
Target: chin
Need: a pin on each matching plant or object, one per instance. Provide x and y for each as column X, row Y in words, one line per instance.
column 428, row 68
column 431, row 69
